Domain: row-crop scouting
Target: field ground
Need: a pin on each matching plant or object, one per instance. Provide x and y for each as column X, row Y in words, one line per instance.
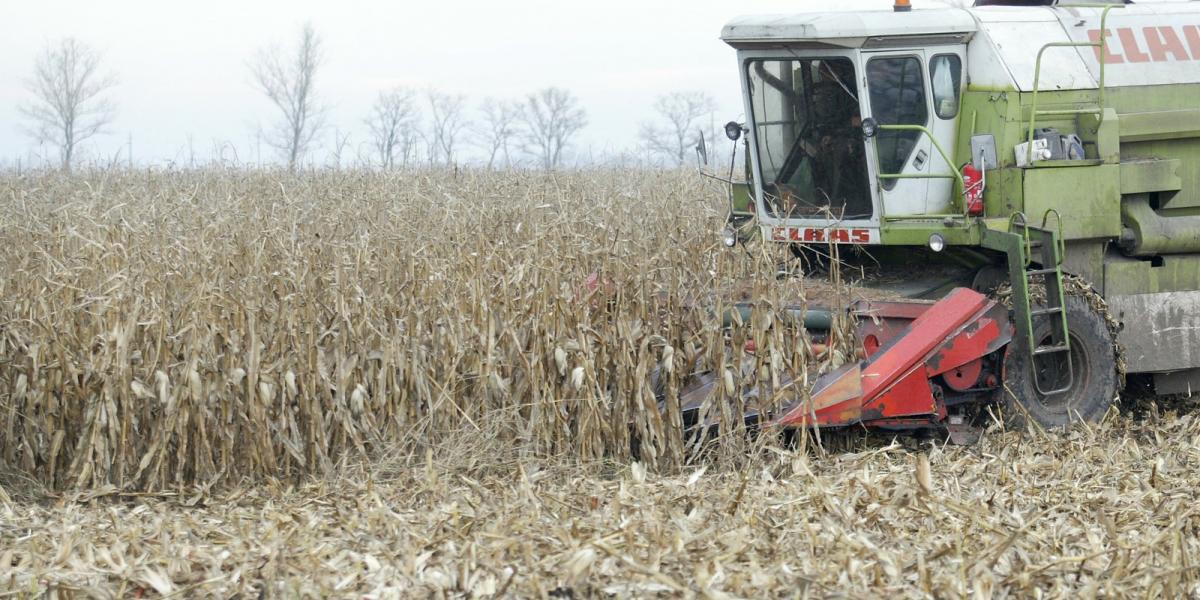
column 1107, row 512
column 231, row 384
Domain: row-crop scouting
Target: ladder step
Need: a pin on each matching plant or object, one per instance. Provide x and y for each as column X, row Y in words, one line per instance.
column 1050, row 349
column 1046, row 311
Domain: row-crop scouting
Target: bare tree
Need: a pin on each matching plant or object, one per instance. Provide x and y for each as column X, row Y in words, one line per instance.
column 552, row 117
column 499, row 127
column 68, row 106
column 446, row 124
column 681, row 115
column 340, row 142
column 393, row 125
column 289, row 81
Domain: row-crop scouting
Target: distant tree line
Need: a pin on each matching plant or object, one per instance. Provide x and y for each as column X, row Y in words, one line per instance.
column 405, row 127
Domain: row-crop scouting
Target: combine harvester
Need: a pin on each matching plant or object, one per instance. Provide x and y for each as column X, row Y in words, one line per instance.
column 1048, row 151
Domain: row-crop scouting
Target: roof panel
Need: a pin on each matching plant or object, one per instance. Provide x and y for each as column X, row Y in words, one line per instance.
column 851, row 28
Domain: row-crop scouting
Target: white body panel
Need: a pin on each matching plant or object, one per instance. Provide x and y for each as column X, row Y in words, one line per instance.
column 1005, row 40
column 1149, row 44
column 1007, row 46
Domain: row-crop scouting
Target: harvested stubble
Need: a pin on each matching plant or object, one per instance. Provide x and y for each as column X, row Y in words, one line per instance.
column 165, row 329
column 1106, row 512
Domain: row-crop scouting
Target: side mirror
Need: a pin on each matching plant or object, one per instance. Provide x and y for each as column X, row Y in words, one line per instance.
column 983, row 152
column 702, row 150
column 869, row 128
column 733, row 130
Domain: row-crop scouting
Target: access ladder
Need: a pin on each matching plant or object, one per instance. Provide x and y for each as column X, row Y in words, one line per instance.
column 1036, row 252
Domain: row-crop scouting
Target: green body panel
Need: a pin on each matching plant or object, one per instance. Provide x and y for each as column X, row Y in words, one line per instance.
column 1157, row 98
column 1013, row 200
column 1187, row 151
column 1126, row 276
column 743, row 198
column 741, row 211
column 1102, row 134
column 916, row 232
column 1160, row 125
column 1139, row 176
column 1094, row 214
column 1163, row 122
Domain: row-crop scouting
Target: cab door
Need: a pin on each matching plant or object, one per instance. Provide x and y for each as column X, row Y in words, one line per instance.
column 897, row 94
column 944, row 72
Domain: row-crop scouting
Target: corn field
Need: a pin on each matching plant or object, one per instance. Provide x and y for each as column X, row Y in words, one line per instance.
column 439, row 384
column 171, row 329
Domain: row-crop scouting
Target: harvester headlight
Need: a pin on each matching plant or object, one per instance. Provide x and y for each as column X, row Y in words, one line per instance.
column 733, row 130
column 729, row 236
column 936, row 242
column 869, row 128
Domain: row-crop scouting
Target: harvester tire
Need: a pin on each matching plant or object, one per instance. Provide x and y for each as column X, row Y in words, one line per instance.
column 1095, row 381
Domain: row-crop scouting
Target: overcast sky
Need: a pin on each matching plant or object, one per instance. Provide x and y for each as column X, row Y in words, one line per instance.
column 182, row 68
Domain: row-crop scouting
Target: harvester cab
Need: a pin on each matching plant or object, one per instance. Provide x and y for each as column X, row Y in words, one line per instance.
column 1017, row 180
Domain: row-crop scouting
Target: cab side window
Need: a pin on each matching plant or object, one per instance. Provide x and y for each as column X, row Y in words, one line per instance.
column 945, row 78
column 897, row 91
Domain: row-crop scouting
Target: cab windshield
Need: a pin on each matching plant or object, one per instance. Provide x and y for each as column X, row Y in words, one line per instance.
column 808, row 129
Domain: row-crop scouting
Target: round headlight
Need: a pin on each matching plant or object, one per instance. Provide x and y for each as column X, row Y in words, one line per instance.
column 733, row 130
column 936, row 242
column 869, row 128
column 729, row 236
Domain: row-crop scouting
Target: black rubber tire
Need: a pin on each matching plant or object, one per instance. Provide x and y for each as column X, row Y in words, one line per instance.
column 1095, row 383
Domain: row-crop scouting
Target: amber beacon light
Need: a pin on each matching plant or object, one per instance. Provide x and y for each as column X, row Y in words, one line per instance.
column 902, row 6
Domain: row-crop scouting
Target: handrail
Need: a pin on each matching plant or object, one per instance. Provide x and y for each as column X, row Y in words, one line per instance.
column 1102, row 44
column 1027, row 255
column 1062, row 242
column 921, row 128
